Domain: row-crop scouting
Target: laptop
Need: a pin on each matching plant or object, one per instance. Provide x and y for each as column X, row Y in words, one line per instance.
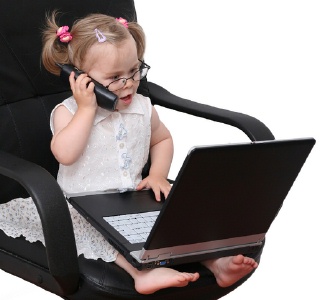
column 222, row 203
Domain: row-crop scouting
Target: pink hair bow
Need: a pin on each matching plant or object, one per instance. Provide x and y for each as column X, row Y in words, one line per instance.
column 123, row 22
column 64, row 35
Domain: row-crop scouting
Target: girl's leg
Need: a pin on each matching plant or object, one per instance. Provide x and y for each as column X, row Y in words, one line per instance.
column 150, row 281
column 229, row 270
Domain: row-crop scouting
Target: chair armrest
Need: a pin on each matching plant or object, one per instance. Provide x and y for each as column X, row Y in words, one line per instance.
column 252, row 127
column 54, row 214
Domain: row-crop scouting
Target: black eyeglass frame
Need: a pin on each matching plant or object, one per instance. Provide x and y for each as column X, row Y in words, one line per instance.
column 142, row 66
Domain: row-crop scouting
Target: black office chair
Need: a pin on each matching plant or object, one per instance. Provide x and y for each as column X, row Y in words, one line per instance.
column 27, row 168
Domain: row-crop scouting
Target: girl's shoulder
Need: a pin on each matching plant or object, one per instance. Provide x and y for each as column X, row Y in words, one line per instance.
column 70, row 104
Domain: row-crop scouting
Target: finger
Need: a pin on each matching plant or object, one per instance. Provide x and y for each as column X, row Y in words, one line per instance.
column 90, row 86
column 166, row 190
column 72, row 80
column 157, row 194
column 77, row 83
column 84, row 84
column 82, row 79
column 141, row 185
column 166, row 193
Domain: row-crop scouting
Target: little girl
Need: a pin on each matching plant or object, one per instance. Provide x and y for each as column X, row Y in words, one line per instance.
column 100, row 150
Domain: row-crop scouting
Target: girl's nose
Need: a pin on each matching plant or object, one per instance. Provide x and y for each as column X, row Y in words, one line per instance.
column 129, row 83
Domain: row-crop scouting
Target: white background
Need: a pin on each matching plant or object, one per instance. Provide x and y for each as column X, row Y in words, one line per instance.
column 262, row 58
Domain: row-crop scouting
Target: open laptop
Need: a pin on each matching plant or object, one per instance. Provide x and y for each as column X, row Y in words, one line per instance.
column 223, row 201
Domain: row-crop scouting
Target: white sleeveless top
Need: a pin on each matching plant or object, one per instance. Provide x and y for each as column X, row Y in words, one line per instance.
column 113, row 159
column 117, row 150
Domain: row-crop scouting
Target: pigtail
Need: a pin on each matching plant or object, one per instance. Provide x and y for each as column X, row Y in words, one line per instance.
column 137, row 32
column 55, row 47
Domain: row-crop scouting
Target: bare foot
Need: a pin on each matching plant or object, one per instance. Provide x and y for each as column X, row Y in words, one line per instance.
column 229, row 270
column 150, row 281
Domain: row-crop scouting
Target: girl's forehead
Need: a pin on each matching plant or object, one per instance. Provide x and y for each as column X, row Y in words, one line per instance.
column 114, row 56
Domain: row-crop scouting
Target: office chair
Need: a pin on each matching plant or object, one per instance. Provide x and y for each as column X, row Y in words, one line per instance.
column 28, row 94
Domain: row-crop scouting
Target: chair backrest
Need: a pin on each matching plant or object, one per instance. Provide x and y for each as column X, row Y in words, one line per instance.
column 28, row 93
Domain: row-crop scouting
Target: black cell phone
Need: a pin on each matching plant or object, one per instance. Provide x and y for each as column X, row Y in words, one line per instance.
column 104, row 97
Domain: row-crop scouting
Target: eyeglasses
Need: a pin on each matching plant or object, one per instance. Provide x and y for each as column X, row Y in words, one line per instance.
column 137, row 76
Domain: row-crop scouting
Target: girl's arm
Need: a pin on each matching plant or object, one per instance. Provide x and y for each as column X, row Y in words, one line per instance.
column 161, row 152
column 71, row 132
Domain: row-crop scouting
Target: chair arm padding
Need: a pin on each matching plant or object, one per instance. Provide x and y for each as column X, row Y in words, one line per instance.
column 54, row 214
column 252, row 127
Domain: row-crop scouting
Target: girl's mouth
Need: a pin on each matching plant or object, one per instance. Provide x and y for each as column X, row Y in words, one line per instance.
column 127, row 99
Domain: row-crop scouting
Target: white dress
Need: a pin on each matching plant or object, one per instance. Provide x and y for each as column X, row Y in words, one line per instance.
column 117, row 151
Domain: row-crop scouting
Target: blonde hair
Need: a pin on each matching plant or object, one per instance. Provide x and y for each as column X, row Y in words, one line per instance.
column 83, row 33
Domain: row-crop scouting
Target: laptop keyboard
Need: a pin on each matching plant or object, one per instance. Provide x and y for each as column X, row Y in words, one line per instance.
column 134, row 227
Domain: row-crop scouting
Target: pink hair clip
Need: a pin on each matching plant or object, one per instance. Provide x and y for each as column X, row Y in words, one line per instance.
column 100, row 36
column 123, row 22
column 64, row 35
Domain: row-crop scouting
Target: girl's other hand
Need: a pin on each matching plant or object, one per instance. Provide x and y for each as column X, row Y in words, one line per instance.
column 158, row 184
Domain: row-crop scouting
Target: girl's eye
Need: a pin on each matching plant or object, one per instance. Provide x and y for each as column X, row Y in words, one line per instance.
column 116, row 77
column 133, row 71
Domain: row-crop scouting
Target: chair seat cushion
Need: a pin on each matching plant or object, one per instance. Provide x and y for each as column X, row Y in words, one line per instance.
column 101, row 280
